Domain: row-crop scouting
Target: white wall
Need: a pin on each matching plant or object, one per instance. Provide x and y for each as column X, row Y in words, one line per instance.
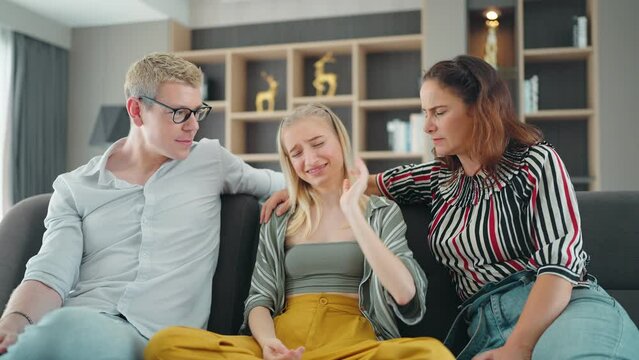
column 207, row 13
column 21, row 20
column 444, row 29
column 618, row 94
column 98, row 61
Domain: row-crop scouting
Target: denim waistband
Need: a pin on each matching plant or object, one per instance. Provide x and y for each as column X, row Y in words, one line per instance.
column 456, row 338
column 508, row 283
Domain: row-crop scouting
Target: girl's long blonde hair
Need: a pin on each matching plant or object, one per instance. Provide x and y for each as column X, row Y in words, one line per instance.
column 302, row 196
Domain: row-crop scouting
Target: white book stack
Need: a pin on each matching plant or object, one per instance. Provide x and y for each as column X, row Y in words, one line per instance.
column 398, row 135
column 408, row 136
column 531, row 94
column 580, row 31
column 418, row 137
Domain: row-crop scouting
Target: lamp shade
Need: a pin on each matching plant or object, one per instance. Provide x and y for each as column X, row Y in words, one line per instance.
column 111, row 125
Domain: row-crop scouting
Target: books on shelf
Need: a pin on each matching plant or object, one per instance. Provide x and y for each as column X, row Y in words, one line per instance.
column 531, row 94
column 417, row 135
column 407, row 136
column 580, row 31
column 398, row 135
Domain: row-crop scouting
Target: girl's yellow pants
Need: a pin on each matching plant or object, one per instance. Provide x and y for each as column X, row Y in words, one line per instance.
column 328, row 326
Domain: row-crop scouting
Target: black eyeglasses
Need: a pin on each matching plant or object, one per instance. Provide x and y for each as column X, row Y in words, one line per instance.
column 181, row 115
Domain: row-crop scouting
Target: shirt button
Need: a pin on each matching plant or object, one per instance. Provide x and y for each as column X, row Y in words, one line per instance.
column 323, row 301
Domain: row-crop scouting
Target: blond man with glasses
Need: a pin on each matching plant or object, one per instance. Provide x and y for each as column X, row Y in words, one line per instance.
column 132, row 236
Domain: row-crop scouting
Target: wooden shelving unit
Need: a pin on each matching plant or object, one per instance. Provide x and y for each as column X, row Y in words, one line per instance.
column 378, row 80
column 568, row 82
column 535, row 37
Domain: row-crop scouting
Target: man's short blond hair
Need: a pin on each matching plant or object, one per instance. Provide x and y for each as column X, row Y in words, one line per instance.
column 147, row 74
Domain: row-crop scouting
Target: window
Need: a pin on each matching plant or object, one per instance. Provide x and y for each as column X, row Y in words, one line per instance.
column 6, row 73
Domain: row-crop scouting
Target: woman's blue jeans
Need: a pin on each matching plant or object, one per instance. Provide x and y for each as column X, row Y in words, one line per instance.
column 593, row 325
column 73, row 333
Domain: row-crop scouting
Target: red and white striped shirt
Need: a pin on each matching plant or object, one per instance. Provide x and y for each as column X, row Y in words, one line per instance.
column 484, row 230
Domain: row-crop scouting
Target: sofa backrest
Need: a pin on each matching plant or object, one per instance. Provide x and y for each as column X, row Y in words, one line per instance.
column 610, row 227
column 441, row 298
column 611, row 237
column 21, row 232
column 239, row 235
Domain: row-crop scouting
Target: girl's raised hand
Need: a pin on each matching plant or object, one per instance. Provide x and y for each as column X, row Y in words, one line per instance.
column 351, row 193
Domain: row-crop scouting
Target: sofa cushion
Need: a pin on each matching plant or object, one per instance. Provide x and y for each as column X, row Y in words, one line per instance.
column 611, row 237
column 239, row 236
column 441, row 298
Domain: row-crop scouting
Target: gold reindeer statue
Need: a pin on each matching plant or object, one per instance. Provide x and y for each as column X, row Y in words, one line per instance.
column 322, row 77
column 267, row 95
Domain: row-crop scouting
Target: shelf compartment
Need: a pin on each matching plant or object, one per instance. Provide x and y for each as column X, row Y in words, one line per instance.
column 374, row 134
column 260, row 137
column 255, row 83
column 391, row 74
column 214, row 78
column 342, row 68
column 562, row 85
column 212, row 128
column 548, row 23
column 570, row 139
column 556, row 54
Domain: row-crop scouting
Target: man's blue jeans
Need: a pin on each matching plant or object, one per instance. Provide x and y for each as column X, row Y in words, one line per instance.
column 593, row 325
column 73, row 333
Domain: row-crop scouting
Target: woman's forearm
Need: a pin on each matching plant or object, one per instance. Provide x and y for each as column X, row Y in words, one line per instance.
column 548, row 298
column 371, row 186
column 261, row 324
column 390, row 270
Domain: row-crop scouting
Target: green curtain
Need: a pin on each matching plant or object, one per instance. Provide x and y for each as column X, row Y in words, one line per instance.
column 39, row 127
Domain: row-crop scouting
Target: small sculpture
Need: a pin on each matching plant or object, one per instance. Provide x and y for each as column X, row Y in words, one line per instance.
column 490, row 55
column 267, row 95
column 322, row 77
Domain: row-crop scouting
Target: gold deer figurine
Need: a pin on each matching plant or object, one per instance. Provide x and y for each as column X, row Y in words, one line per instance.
column 322, row 77
column 267, row 95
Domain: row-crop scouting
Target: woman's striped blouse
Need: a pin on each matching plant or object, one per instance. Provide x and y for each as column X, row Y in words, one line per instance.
column 485, row 228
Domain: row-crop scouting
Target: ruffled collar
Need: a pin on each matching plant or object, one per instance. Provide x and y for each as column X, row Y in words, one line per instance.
column 462, row 190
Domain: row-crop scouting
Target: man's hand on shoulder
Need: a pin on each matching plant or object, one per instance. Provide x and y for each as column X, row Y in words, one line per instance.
column 278, row 202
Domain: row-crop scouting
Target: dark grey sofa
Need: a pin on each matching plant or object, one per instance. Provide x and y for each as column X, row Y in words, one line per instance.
column 610, row 226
